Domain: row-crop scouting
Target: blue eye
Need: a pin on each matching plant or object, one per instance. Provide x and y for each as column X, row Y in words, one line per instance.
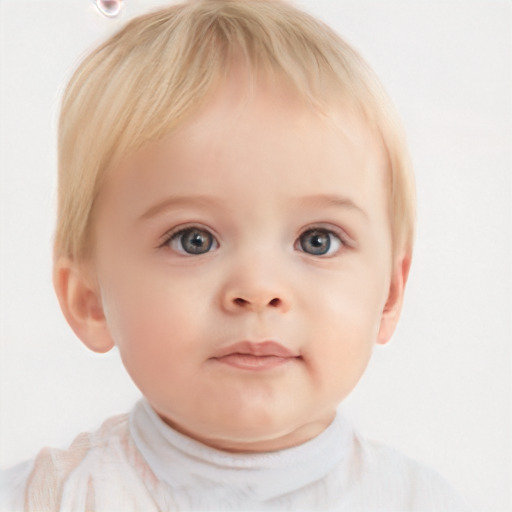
column 319, row 242
column 192, row 241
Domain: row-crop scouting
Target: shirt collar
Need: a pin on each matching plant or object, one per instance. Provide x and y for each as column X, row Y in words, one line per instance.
column 184, row 463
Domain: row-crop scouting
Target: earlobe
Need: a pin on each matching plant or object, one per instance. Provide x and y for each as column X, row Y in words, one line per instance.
column 393, row 306
column 80, row 300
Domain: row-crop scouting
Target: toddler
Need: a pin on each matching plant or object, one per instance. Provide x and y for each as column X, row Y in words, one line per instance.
column 236, row 215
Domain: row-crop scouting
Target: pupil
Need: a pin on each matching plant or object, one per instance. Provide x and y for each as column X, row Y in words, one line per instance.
column 317, row 241
column 196, row 242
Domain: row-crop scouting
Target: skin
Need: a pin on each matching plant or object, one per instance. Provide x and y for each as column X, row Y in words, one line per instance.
column 256, row 171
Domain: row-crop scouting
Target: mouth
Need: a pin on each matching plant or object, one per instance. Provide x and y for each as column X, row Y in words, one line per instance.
column 247, row 355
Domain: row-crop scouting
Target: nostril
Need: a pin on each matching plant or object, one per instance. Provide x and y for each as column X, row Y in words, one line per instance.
column 239, row 301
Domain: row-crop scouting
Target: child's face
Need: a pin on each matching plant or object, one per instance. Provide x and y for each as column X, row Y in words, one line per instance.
column 257, row 227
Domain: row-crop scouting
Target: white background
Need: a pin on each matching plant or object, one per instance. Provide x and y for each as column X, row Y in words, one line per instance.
column 441, row 391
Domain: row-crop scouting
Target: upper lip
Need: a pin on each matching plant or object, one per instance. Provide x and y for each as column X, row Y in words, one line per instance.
column 263, row 348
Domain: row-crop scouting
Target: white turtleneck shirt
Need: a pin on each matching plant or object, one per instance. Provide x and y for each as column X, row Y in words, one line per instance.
column 136, row 462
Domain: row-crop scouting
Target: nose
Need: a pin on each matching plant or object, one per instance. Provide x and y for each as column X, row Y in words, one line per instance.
column 256, row 291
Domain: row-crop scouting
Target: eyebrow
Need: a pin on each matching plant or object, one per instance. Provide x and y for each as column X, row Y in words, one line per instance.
column 331, row 200
column 313, row 201
column 177, row 201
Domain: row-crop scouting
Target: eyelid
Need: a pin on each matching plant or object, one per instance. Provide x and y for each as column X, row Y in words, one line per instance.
column 346, row 242
column 171, row 233
column 332, row 228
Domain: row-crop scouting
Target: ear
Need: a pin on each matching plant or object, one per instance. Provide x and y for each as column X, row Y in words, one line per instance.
column 80, row 300
column 393, row 306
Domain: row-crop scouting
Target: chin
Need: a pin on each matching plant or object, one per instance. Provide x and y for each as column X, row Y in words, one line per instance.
column 261, row 433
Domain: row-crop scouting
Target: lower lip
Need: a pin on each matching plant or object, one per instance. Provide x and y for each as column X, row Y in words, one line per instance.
column 254, row 363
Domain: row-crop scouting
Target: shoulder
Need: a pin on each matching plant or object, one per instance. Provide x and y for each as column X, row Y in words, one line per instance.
column 76, row 478
column 388, row 476
column 12, row 486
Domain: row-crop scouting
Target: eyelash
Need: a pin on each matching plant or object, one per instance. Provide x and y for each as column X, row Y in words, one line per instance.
column 338, row 239
column 177, row 234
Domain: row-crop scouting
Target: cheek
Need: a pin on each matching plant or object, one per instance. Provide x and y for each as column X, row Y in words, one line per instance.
column 346, row 308
column 350, row 300
column 157, row 336
column 151, row 317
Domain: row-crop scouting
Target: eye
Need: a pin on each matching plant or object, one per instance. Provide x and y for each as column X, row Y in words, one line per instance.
column 319, row 242
column 193, row 240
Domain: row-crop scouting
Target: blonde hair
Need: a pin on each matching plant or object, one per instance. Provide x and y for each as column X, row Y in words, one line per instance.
column 148, row 77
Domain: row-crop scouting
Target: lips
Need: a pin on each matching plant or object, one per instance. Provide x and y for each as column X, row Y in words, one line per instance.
column 255, row 356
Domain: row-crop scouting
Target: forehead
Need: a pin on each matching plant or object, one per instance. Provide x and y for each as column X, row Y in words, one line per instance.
column 261, row 140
